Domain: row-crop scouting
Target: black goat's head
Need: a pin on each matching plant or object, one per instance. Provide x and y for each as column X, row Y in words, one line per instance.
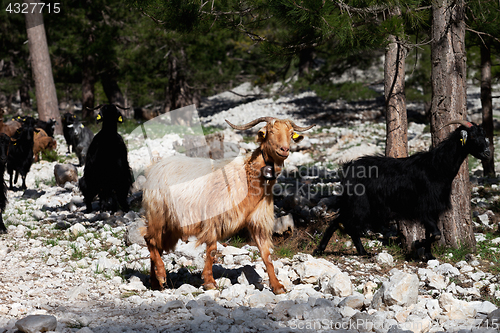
column 68, row 118
column 473, row 139
column 110, row 113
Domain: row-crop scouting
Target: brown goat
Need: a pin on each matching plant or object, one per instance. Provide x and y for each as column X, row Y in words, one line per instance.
column 42, row 142
column 10, row 127
column 213, row 199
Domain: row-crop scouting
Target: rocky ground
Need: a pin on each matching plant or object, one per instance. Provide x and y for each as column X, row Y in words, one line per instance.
column 66, row 271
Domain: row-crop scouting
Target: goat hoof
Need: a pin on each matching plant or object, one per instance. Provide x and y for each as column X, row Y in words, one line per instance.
column 279, row 290
column 209, row 286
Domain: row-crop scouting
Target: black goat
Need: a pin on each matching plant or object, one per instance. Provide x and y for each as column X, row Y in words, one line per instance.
column 107, row 172
column 4, row 149
column 20, row 156
column 378, row 189
column 68, row 119
column 47, row 126
column 82, row 137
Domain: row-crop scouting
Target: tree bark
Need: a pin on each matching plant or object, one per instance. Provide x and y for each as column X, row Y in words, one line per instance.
column 46, row 97
column 397, row 125
column 88, row 82
column 395, row 100
column 487, row 106
column 112, row 90
column 178, row 93
column 449, row 102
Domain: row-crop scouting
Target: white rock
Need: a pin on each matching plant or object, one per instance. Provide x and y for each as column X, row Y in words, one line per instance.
column 438, row 281
column 485, row 307
column 80, row 291
column 135, row 284
column 261, row 298
column 339, row 285
column 233, row 251
column 310, row 269
column 447, row 270
column 228, row 260
column 283, row 223
column 385, row 258
column 484, row 219
column 418, row 324
column 432, row 263
column 401, row 289
column 433, row 309
column 77, row 229
column 456, row 309
column 113, row 241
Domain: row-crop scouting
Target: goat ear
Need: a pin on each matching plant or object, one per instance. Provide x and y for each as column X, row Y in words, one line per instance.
column 464, row 137
column 297, row 137
column 262, row 133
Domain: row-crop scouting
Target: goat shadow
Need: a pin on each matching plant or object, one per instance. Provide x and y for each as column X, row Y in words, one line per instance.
column 185, row 276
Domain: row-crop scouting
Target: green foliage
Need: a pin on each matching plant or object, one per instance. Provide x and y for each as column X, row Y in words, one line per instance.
column 236, row 241
column 452, row 254
column 284, row 252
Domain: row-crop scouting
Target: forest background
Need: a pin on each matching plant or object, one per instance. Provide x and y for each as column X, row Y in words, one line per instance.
column 168, row 54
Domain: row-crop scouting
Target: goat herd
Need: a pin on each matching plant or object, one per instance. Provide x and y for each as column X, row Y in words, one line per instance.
column 213, row 199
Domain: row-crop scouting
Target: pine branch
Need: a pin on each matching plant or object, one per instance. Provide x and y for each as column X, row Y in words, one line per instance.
column 479, row 33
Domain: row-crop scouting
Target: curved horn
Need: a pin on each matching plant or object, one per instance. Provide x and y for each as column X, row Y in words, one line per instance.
column 250, row 124
column 459, row 122
column 120, row 107
column 299, row 128
column 92, row 109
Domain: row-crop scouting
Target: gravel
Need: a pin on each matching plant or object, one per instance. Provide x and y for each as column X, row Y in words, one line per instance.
column 67, row 271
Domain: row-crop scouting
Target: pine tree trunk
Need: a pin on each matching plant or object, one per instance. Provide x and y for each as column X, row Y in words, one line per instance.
column 449, row 103
column 178, row 93
column 46, row 96
column 486, row 103
column 395, row 100
column 88, row 81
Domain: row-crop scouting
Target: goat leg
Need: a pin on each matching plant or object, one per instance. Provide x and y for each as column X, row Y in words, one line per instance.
column 16, row 176
column 158, row 276
column 207, row 275
column 10, row 182
column 23, row 177
column 3, row 229
column 263, row 245
column 326, row 238
column 357, row 242
column 431, row 229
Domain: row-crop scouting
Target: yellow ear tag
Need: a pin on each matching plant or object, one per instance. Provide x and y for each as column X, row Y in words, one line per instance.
column 81, row 125
column 295, row 136
column 120, row 119
column 98, row 117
